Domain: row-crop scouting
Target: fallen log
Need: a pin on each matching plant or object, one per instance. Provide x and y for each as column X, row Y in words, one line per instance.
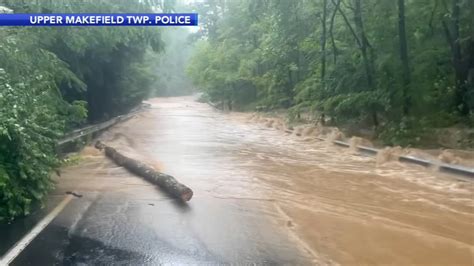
column 166, row 182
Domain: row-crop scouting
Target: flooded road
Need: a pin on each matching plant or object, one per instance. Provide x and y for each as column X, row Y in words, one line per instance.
column 260, row 196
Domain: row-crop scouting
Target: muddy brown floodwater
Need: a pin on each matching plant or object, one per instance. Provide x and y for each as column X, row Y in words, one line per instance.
column 332, row 204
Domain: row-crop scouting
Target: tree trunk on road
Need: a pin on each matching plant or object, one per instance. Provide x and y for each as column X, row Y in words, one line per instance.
column 164, row 181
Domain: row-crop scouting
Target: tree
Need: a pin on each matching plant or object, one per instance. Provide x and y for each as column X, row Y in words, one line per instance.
column 460, row 63
column 391, row 66
column 404, row 56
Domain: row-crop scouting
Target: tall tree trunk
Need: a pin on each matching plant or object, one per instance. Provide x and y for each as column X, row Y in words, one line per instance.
column 331, row 29
column 297, row 47
column 323, row 43
column 461, row 74
column 323, row 50
column 460, row 67
column 470, row 78
column 364, row 44
column 404, row 56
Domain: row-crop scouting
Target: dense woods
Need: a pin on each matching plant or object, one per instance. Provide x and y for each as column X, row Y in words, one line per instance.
column 56, row 79
column 399, row 67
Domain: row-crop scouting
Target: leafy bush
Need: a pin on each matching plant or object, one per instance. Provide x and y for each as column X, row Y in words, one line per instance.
column 409, row 132
column 29, row 128
column 76, row 114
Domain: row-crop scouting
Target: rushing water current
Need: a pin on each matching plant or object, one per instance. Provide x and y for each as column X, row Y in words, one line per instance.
column 333, row 204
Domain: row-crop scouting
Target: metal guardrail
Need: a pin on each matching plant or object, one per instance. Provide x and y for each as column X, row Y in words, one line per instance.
column 368, row 150
column 454, row 169
column 457, row 169
column 81, row 132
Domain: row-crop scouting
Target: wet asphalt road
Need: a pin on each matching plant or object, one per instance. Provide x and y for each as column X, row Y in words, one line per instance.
column 261, row 196
column 123, row 220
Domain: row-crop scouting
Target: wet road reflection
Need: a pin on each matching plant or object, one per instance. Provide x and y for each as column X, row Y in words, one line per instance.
column 261, row 196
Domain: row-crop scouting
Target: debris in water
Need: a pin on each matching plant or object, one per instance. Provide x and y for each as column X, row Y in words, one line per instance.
column 74, row 194
column 164, row 181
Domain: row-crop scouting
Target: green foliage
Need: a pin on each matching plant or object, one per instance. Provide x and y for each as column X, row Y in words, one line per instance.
column 55, row 79
column 76, row 114
column 29, row 127
column 408, row 132
column 353, row 105
column 319, row 56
